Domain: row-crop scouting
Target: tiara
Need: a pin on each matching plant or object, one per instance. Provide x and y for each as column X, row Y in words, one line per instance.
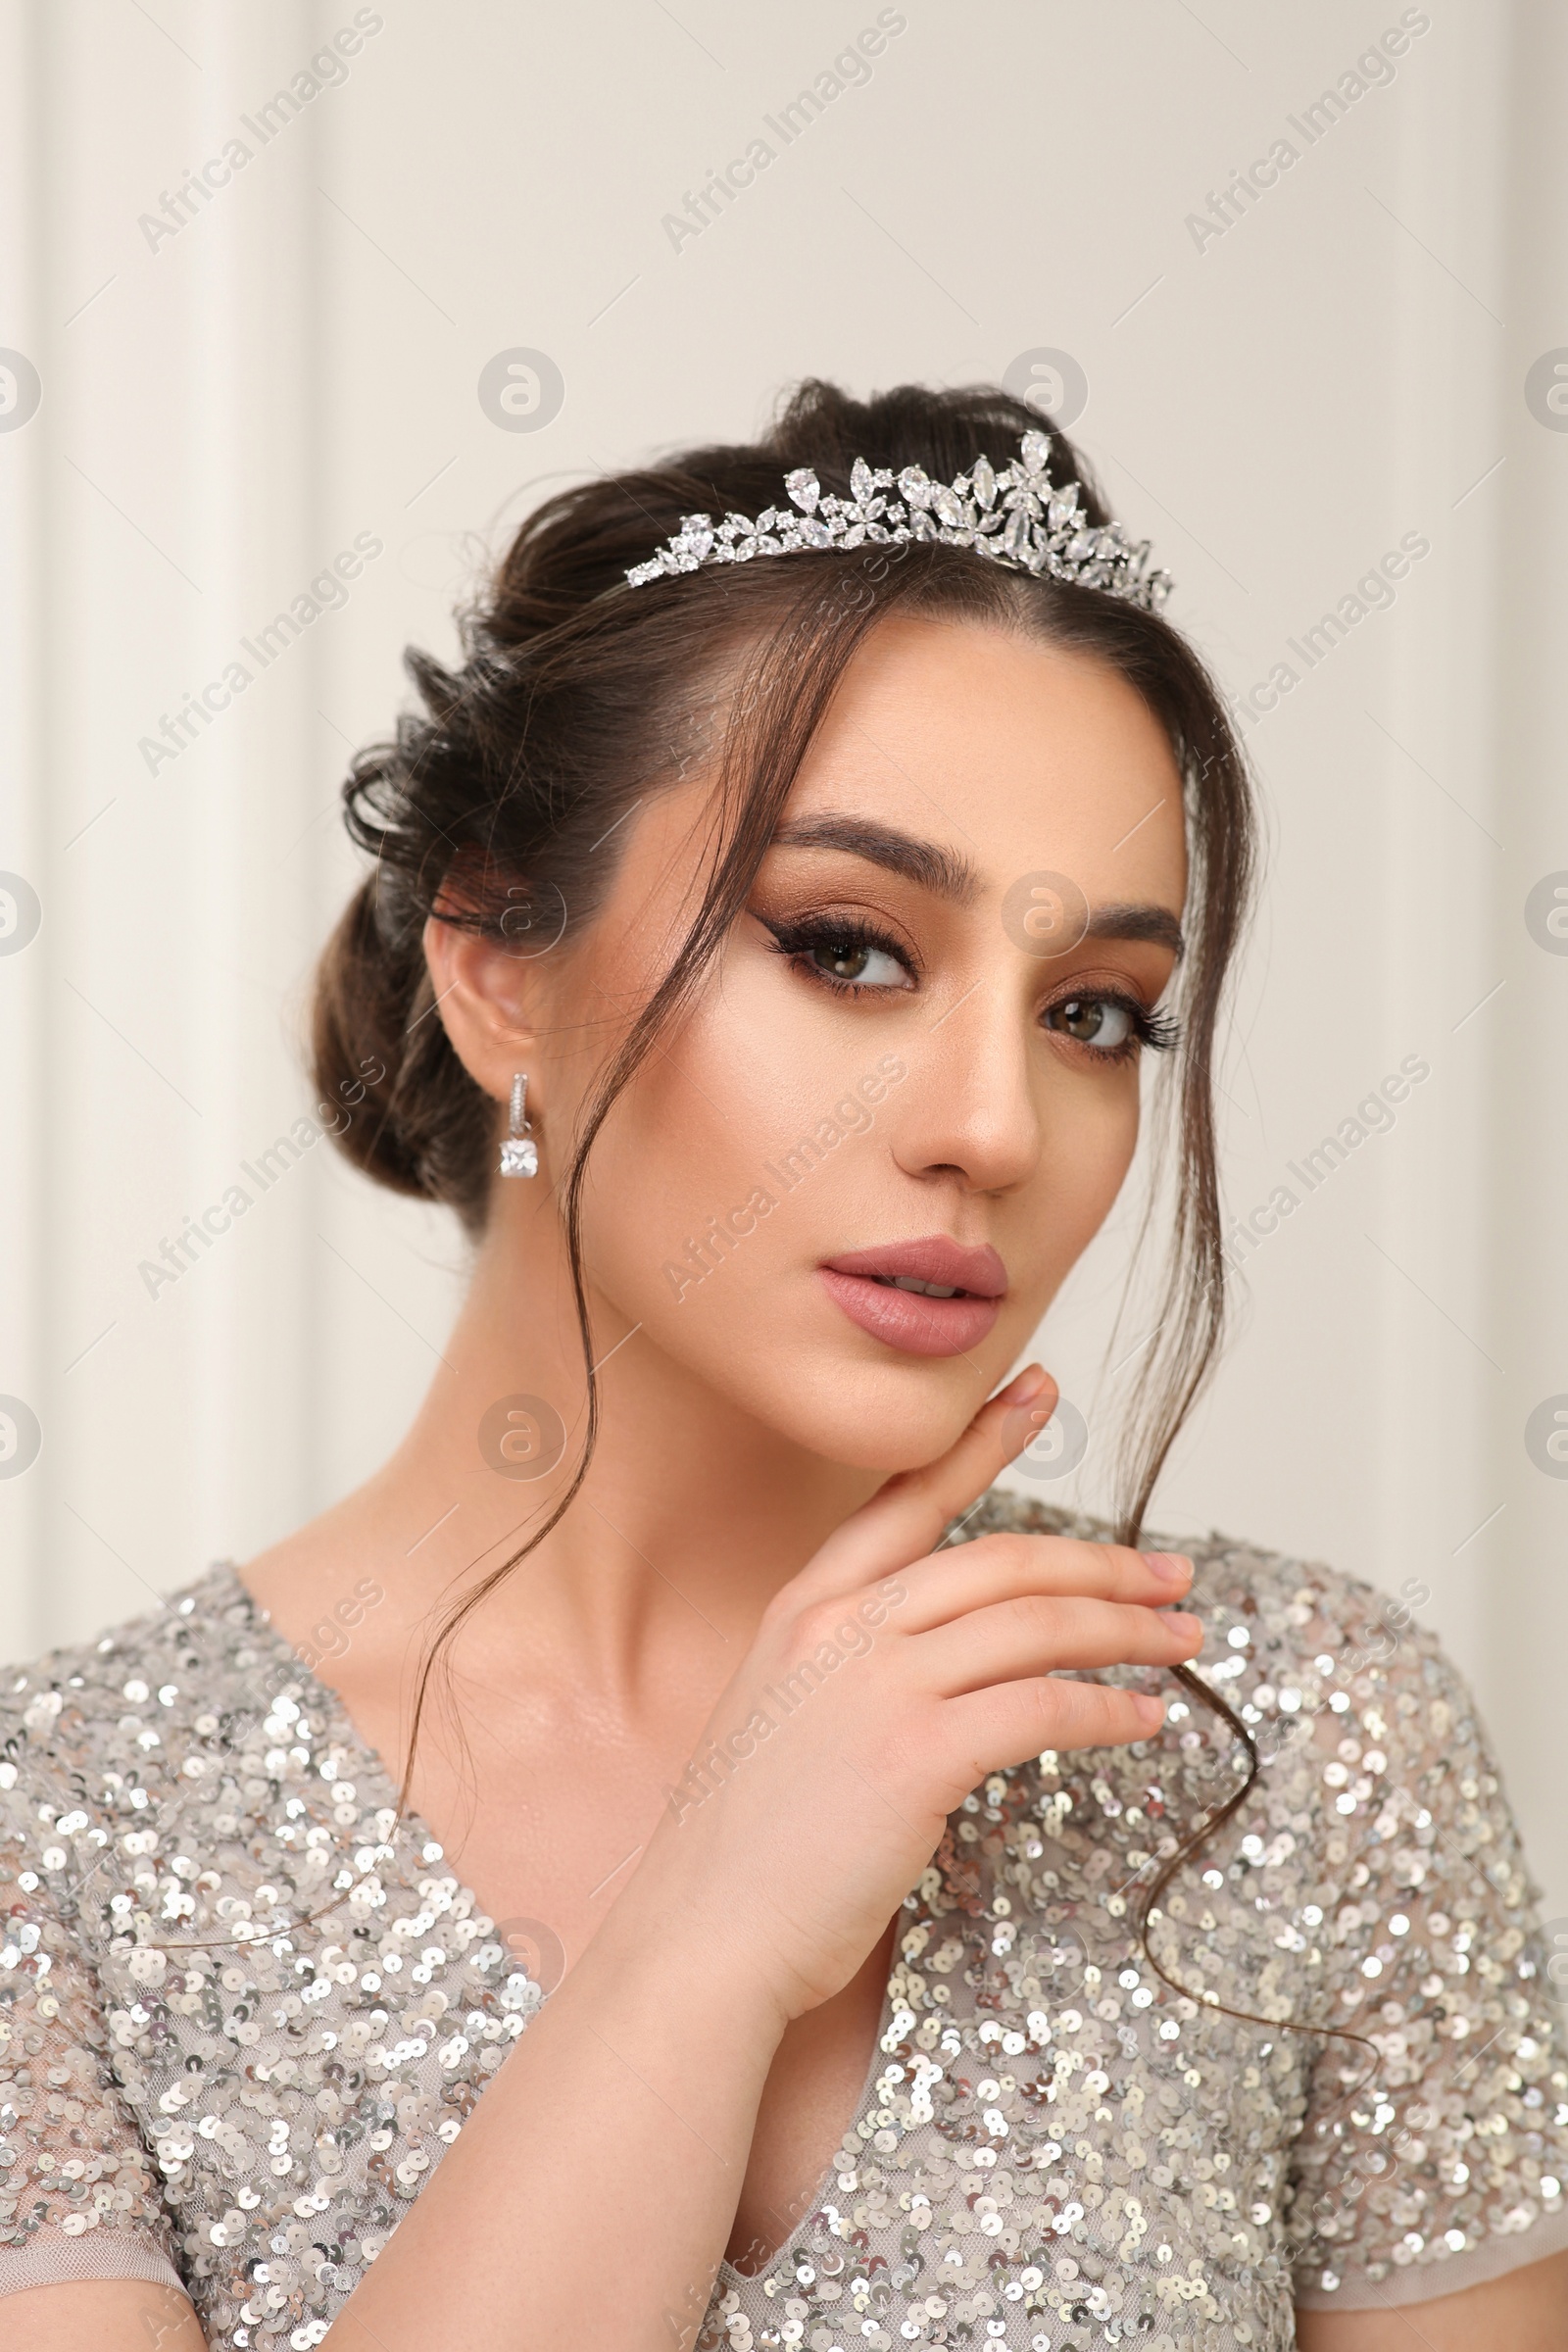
column 1018, row 518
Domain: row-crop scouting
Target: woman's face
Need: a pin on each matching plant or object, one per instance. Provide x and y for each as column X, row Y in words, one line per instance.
column 912, row 1064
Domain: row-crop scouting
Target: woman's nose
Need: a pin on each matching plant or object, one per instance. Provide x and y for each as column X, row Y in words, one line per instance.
column 968, row 1112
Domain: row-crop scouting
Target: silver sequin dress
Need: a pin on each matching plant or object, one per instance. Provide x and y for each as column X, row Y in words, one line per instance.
column 244, row 2009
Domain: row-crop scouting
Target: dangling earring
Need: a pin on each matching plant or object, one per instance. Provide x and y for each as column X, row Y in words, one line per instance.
column 520, row 1153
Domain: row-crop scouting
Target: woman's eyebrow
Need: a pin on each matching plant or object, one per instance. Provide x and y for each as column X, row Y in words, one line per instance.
column 943, row 872
column 1136, row 920
column 950, row 876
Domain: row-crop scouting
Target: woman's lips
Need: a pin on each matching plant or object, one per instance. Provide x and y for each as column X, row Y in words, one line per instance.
column 863, row 1282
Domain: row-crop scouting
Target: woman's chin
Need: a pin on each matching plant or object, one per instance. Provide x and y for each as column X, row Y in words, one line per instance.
column 882, row 1417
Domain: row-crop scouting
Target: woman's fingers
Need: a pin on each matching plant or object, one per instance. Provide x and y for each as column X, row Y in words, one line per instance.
column 1018, row 1640
column 1014, row 1565
column 1010, row 1722
column 909, row 1515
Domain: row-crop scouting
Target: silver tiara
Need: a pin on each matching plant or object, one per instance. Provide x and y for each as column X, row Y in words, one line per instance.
column 1018, row 518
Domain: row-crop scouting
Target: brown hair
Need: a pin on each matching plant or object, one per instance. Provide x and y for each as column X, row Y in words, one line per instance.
column 578, row 694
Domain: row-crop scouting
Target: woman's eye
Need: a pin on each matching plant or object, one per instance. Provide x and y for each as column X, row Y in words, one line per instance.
column 855, row 960
column 851, row 958
column 1097, row 1021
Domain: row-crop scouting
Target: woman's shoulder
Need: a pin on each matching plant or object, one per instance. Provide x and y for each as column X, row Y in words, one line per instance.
column 187, row 1655
column 1364, row 1726
column 1313, row 1624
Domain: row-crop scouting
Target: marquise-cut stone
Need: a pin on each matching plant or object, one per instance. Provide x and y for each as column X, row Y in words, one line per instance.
column 1013, row 515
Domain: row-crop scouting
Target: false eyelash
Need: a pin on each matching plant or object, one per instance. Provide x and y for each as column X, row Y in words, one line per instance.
column 1162, row 1031
column 795, row 940
column 1157, row 1031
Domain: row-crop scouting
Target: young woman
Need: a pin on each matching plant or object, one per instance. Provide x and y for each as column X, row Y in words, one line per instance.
column 875, row 1909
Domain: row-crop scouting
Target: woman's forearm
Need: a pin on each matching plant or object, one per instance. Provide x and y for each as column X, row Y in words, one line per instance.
column 590, row 2196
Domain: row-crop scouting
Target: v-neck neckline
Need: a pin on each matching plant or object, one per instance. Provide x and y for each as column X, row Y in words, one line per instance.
column 350, row 1737
column 368, row 1762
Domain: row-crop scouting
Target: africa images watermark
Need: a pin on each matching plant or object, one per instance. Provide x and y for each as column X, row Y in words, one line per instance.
column 331, row 1637
column 325, row 593
column 850, row 69
column 274, row 1713
column 327, row 70
column 1373, row 591
column 705, row 1774
column 852, row 1114
column 1373, row 68
column 197, row 1235
column 1372, row 1116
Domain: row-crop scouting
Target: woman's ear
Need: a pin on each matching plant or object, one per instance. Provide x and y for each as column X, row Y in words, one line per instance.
column 486, row 1000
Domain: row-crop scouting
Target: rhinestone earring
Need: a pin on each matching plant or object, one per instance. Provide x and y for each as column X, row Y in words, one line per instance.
column 520, row 1153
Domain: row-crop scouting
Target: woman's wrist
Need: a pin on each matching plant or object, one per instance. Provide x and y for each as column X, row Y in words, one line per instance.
column 672, row 1931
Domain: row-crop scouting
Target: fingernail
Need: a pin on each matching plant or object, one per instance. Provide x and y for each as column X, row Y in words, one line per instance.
column 1029, row 1382
column 1151, row 1710
column 1184, row 1622
column 1170, row 1567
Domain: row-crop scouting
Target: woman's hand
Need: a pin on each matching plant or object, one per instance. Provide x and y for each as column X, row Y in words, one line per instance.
column 885, row 1681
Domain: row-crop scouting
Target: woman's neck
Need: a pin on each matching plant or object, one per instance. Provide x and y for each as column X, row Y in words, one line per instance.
column 692, row 1514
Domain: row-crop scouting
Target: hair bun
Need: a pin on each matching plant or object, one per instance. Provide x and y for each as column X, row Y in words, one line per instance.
column 422, row 1126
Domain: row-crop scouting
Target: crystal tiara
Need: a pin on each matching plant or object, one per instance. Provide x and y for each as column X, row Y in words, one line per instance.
column 1018, row 518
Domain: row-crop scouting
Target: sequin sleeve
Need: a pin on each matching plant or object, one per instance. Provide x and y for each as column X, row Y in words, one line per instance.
column 1437, row 2157
column 78, row 2193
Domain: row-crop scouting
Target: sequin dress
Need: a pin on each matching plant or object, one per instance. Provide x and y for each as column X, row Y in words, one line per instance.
column 245, row 2009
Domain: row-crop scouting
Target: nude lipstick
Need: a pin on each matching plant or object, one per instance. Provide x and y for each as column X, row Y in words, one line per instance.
column 926, row 1298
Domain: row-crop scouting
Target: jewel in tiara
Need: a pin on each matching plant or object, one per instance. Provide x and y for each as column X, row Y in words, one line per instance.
column 1018, row 518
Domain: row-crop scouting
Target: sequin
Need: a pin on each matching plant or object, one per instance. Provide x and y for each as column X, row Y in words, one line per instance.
column 245, row 2010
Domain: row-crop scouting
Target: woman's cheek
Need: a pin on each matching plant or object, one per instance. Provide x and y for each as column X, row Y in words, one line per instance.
column 1090, row 1139
column 679, row 1188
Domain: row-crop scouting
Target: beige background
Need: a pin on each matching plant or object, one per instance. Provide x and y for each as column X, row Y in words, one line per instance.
column 223, row 412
